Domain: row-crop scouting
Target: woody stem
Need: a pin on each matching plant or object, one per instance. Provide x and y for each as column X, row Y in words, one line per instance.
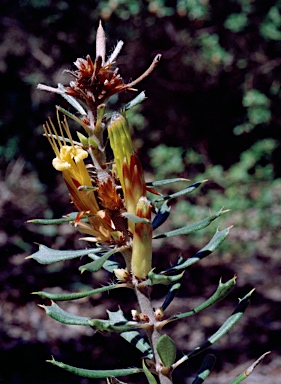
column 153, row 334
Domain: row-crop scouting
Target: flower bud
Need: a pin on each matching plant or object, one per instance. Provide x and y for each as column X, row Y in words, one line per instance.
column 142, row 241
column 128, row 166
column 121, row 274
column 120, row 142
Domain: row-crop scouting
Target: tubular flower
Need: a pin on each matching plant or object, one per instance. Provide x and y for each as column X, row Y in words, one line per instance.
column 128, row 166
column 142, row 241
column 70, row 161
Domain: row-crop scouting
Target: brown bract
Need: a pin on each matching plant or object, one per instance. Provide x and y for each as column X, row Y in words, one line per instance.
column 94, row 83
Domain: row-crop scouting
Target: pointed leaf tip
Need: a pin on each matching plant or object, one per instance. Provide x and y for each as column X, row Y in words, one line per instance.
column 148, row 374
column 95, row 374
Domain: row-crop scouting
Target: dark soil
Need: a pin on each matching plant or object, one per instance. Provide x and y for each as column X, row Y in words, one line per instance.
column 29, row 337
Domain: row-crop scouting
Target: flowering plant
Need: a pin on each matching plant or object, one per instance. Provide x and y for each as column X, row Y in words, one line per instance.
column 116, row 216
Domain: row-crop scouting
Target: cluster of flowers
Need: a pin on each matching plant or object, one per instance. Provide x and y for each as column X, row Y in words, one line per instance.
column 113, row 209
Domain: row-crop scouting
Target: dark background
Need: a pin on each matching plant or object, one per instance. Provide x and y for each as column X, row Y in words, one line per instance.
column 215, row 93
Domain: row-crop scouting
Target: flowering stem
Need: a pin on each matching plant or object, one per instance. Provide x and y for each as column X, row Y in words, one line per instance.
column 153, row 334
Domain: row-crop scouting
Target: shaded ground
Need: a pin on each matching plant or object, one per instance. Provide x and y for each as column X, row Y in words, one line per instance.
column 28, row 337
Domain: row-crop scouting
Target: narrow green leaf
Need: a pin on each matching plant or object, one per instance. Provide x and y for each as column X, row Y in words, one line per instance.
column 58, row 314
column 95, row 374
column 134, row 338
column 214, row 243
column 135, row 219
column 154, row 278
column 222, row 291
column 47, row 255
column 166, row 349
column 183, row 192
column 97, row 264
column 191, row 228
column 161, row 216
column 205, row 369
column 51, row 221
column 109, row 265
column 150, row 378
column 173, row 290
column 227, row 325
column 159, row 183
column 65, row 219
column 249, row 370
column 76, row 295
column 171, row 295
column 73, row 117
column 137, row 100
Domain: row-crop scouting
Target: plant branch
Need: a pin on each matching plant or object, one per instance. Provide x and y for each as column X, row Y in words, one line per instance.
column 142, row 293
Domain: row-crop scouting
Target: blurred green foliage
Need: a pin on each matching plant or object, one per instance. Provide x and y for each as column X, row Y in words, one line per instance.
column 258, row 110
column 247, row 188
column 270, row 27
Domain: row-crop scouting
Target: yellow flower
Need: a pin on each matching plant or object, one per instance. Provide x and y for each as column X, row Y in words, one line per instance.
column 70, row 161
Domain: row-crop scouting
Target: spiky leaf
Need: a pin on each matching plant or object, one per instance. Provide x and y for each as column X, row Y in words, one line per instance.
column 191, row 228
column 109, row 265
column 76, row 295
column 155, row 278
column 56, row 313
column 214, row 243
column 95, row 374
column 182, row 192
column 222, row 291
column 96, row 265
column 227, row 325
column 47, row 255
